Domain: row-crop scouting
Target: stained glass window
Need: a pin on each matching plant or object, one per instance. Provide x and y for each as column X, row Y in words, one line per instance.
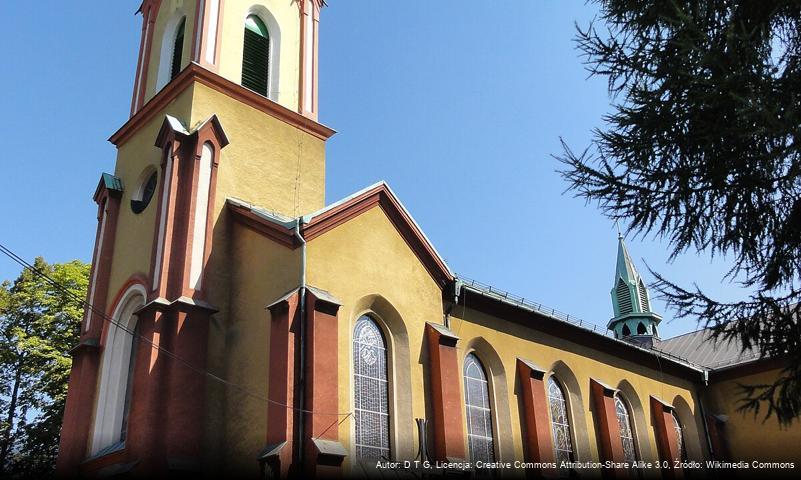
column 560, row 423
column 370, row 390
column 626, row 430
column 681, row 448
column 479, row 411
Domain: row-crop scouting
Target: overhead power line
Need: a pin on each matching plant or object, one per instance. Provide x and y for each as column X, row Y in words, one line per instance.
column 240, row 388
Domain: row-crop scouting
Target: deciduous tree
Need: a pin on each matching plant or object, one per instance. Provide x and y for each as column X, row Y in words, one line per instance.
column 39, row 323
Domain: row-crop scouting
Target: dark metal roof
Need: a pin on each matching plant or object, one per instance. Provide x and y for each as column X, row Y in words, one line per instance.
column 700, row 348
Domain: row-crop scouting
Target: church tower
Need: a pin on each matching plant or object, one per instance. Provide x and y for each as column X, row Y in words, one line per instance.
column 634, row 320
column 224, row 107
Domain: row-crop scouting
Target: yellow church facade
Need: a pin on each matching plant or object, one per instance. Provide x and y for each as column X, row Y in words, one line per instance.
column 240, row 325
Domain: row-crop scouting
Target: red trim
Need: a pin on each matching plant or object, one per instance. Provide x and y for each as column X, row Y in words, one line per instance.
column 139, row 65
column 197, row 36
column 538, row 441
column 446, row 396
column 150, row 15
column 281, row 382
column 322, row 385
column 718, row 436
column 274, row 232
column 135, row 279
column 196, row 73
column 665, row 437
column 302, row 54
column 382, row 196
column 611, row 446
column 219, row 34
column 330, row 219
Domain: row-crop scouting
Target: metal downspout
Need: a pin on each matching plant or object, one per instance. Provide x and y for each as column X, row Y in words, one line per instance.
column 302, row 340
column 701, row 393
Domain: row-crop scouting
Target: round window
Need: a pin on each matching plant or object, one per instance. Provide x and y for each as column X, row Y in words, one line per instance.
column 144, row 193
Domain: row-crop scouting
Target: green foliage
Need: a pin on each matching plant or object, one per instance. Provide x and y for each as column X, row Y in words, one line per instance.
column 701, row 149
column 39, row 323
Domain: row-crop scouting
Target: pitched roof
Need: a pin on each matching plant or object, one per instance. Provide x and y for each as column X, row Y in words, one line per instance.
column 700, row 348
column 625, row 268
column 280, row 228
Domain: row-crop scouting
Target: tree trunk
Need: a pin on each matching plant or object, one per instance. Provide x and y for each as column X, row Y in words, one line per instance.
column 12, row 411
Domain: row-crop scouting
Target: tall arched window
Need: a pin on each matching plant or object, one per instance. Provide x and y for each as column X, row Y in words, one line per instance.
column 626, row 429
column 370, row 390
column 681, row 449
column 256, row 55
column 560, row 422
column 177, row 50
column 479, row 411
column 116, row 374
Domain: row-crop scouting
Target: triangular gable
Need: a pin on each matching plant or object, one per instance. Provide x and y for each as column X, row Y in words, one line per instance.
column 330, row 217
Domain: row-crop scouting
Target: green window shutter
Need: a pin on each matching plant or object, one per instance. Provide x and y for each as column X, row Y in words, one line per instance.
column 256, row 56
column 177, row 51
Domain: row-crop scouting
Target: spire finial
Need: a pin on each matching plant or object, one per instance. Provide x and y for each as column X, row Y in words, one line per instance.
column 619, row 235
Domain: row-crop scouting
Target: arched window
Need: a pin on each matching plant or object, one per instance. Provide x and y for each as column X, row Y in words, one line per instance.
column 177, row 50
column 116, row 374
column 479, row 411
column 641, row 330
column 560, row 423
column 256, row 55
column 679, row 432
column 370, row 390
column 626, row 330
column 626, row 429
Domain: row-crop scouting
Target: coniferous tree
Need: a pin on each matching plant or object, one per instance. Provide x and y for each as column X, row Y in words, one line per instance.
column 702, row 148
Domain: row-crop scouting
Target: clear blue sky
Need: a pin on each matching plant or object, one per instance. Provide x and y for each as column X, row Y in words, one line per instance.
column 458, row 107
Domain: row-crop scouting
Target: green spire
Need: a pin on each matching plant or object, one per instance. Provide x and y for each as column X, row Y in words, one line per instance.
column 630, row 299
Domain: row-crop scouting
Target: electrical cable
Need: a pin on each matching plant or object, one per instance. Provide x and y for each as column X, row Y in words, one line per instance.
column 13, row 256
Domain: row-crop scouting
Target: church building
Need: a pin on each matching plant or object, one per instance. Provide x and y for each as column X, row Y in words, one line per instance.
column 240, row 326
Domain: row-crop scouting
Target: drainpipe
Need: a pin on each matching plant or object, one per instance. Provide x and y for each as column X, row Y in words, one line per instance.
column 701, row 393
column 457, row 288
column 302, row 342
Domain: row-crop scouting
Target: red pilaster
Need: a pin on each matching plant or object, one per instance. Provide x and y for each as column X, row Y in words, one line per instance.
column 145, row 441
column 323, row 453
column 665, row 437
column 718, row 436
column 187, row 336
column 77, row 421
column 281, row 384
column 446, row 396
column 603, row 398
column 539, row 444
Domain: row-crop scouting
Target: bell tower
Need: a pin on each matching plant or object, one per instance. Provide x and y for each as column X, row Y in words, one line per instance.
column 269, row 46
column 634, row 320
column 224, row 107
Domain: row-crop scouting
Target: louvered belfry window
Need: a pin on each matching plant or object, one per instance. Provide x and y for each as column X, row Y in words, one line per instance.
column 479, row 412
column 371, row 390
column 177, row 50
column 560, row 423
column 626, row 432
column 256, row 56
column 643, row 297
column 623, row 297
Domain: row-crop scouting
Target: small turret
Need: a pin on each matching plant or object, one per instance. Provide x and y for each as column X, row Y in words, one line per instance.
column 634, row 320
